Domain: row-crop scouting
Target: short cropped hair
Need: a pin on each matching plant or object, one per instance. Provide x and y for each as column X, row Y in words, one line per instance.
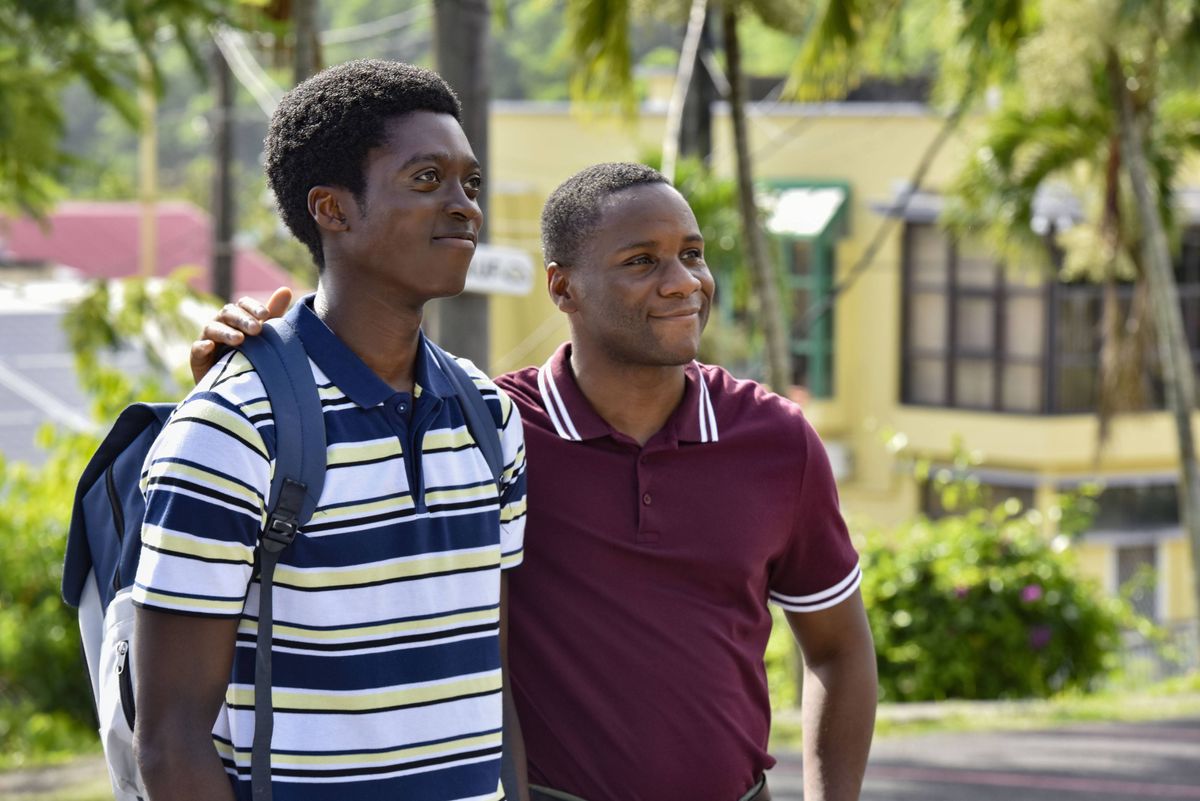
column 323, row 129
column 573, row 210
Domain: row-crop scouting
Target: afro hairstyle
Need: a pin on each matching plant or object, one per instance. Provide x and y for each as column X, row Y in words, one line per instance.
column 573, row 209
column 323, row 129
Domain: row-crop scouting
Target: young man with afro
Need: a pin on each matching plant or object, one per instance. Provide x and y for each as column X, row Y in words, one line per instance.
column 669, row 502
column 390, row 608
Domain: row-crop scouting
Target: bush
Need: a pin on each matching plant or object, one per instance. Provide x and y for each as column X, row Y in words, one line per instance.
column 45, row 700
column 45, row 696
column 981, row 605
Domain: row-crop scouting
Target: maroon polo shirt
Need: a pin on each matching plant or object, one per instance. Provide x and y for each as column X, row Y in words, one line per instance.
column 639, row 618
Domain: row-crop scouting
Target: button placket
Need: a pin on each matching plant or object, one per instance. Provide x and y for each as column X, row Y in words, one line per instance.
column 647, row 533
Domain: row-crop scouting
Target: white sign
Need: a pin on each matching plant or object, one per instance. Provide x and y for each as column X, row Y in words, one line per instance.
column 497, row 270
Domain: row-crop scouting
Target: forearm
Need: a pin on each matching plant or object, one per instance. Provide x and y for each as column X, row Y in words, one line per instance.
column 181, row 767
column 839, row 720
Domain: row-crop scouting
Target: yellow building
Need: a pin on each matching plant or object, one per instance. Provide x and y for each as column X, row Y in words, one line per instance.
column 932, row 345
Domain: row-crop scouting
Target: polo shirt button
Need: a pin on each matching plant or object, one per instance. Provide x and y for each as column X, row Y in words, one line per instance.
column 646, row 499
column 402, row 407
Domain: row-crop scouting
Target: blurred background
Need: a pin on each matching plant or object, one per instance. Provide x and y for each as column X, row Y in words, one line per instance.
column 964, row 236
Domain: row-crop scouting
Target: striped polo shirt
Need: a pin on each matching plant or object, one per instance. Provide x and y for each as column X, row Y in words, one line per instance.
column 659, row 561
column 386, row 658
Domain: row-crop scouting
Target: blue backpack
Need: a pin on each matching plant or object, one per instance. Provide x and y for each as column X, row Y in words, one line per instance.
column 104, row 541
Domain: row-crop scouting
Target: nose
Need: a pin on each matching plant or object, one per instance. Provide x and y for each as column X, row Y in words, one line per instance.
column 682, row 281
column 459, row 204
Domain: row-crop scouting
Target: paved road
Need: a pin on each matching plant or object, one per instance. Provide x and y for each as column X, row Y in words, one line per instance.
column 1081, row 762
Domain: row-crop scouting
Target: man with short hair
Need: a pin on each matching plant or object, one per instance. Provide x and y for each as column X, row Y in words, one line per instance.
column 389, row 606
column 668, row 503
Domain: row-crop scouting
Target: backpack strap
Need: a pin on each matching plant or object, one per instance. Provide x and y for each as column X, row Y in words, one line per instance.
column 279, row 359
column 480, row 421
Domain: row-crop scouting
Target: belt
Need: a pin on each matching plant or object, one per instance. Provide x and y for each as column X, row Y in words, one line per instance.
column 759, row 792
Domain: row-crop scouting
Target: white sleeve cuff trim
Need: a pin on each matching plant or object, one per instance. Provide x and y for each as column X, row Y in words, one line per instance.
column 823, row 599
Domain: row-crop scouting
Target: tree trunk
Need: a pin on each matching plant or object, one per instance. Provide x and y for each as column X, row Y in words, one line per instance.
column 679, row 92
column 461, row 27
column 1177, row 370
column 306, row 55
column 222, row 186
column 762, row 276
column 695, row 133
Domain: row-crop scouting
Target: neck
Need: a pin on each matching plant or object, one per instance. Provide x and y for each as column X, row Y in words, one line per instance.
column 635, row 400
column 381, row 333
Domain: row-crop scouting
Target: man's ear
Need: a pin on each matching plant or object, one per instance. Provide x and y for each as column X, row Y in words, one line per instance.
column 558, row 284
column 327, row 205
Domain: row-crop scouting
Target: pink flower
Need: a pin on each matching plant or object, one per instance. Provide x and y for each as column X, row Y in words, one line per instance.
column 1031, row 593
column 961, row 591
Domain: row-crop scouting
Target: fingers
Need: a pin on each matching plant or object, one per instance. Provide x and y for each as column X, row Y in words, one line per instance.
column 235, row 318
column 252, row 306
column 279, row 301
column 222, row 334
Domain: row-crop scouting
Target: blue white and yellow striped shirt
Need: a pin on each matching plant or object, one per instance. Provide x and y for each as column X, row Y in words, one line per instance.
column 386, row 680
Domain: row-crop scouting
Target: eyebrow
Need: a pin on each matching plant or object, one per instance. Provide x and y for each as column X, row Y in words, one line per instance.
column 439, row 156
column 647, row 243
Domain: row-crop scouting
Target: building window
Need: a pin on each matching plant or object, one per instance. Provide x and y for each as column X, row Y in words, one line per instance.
column 810, row 277
column 974, row 333
column 1137, row 574
column 978, row 336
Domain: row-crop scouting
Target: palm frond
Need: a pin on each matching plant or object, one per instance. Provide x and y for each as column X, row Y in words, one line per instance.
column 993, row 195
column 833, row 56
column 599, row 37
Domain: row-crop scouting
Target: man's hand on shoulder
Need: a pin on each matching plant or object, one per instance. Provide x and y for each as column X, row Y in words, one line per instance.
column 231, row 325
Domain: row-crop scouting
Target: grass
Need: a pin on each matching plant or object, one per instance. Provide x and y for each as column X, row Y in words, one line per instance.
column 99, row 790
column 1173, row 698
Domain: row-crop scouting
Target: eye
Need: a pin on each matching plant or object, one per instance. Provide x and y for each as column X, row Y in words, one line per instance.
column 693, row 254
column 473, row 185
column 640, row 259
column 429, row 176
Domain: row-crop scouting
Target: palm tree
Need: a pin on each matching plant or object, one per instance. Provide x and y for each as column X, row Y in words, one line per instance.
column 1103, row 91
column 599, row 34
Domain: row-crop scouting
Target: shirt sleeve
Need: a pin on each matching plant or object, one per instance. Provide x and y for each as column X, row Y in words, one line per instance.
column 512, row 484
column 205, row 482
column 819, row 568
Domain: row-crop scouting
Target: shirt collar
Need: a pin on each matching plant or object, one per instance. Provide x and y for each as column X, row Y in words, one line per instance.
column 574, row 418
column 350, row 374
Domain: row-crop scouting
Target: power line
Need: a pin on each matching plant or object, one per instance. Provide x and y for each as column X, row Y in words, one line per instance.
column 247, row 70
column 379, row 27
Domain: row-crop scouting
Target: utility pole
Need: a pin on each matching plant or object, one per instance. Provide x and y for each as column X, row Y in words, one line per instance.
column 306, row 54
column 461, row 32
column 695, row 135
column 147, row 168
column 222, row 186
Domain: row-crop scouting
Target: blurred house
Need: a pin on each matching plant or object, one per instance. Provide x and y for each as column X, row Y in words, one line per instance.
column 46, row 266
column 102, row 240
column 932, row 345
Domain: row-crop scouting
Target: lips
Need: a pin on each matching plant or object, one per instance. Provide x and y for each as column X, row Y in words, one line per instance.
column 678, row 314
column 460, row 237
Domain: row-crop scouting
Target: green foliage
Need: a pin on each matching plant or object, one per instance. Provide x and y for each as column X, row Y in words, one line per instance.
column 156, row 317
column 45, row 700
column 981, row 605
column 44, row 46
